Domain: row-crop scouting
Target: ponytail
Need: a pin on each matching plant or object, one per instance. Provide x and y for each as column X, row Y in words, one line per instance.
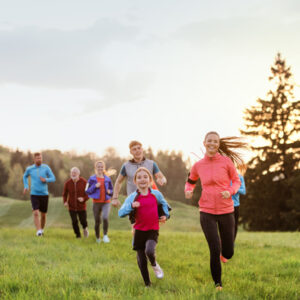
column 108, row 172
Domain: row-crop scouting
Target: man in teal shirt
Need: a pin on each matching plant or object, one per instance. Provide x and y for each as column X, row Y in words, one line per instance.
column 40, row 174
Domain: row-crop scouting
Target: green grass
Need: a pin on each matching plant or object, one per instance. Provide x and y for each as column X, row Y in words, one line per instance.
column 58, row 266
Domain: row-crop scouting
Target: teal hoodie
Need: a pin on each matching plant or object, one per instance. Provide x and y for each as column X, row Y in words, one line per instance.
column 38, row 187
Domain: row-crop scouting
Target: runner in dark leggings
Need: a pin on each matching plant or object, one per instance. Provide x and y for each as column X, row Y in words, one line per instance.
column 219, row 181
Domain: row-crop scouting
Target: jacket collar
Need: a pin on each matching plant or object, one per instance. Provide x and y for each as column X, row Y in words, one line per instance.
column 217, row 156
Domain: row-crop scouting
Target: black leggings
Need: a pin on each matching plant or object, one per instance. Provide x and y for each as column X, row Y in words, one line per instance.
column 236, row 219
column 211, row 224
column 82, row 218
column 142, row 255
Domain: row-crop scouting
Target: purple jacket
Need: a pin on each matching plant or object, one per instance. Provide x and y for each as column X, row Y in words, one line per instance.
column 94, row 192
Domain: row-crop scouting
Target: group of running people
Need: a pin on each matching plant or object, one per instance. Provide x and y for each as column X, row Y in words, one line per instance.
column 145, row 205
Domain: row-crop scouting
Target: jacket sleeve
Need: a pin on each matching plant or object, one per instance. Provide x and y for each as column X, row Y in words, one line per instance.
column 161, row 200
column 65, row 193
column 85, row 197
column 126, row 207
column 25, row 178
column 242, row 189
column 91, row 187
column 192, row 178
column 234, row 177
column 50, row 175
column 110, row 187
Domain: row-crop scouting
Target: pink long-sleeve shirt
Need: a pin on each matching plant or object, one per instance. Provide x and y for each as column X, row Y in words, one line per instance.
column 215, row 174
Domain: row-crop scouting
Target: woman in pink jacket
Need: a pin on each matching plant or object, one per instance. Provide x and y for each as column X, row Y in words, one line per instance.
column 216, row 171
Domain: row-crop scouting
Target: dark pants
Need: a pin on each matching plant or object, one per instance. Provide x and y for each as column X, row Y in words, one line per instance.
column 142, row 255
column 236, row 219
column 101, row 209
column 82, row 218
column 213, row 226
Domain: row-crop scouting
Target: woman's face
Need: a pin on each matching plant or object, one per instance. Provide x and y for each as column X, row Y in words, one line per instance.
column 99, row 168
column 212, row 143
column 142, row 180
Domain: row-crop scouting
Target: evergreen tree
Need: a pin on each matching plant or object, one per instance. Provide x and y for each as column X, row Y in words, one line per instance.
column 273, row 125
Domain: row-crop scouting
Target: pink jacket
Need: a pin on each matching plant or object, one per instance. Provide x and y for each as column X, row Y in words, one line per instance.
column 215, row 174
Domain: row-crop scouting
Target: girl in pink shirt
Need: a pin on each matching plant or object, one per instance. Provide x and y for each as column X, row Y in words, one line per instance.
column 216, row 171
column 145, row 203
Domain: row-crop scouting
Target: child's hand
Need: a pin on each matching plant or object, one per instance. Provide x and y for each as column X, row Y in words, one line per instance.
column 163, row 219
column 135, row 204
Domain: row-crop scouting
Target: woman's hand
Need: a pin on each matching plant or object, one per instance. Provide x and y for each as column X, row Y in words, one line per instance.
column 97, row 184
column 225, row 195
column 188, row 194
column 135, row 204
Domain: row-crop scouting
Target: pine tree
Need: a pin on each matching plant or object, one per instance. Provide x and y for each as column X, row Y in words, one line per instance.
column 272, row 179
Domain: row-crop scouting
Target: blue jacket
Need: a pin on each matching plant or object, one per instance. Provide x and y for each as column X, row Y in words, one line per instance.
column 94, row 192
column 242, row 190
column 127, row 208
column 38, row 187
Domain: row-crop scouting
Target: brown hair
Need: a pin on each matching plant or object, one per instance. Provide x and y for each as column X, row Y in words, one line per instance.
column 108, row 172
column 134, row 143
column 37, row 154
column 145, row 170
column 226, row 146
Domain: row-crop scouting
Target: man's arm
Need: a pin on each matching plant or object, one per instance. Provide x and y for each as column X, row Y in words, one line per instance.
column 160, row 178
column 115, row 201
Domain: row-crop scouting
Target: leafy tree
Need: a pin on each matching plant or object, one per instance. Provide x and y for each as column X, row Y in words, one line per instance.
column 273, row 124
column 14, row 187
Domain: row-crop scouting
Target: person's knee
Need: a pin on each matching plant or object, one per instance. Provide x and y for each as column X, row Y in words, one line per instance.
column 35, row 213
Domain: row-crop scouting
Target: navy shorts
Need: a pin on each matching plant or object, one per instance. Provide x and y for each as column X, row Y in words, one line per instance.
column 39, row 202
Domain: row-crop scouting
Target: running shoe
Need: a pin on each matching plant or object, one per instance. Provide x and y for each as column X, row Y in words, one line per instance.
column 85, row 232
column 223, row 259
column 98, row 241
column 106, row 239
column 39, row 233
column 159, row 273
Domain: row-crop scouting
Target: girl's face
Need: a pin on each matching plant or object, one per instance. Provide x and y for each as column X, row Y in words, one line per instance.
column 142, row 180
column 99, row 168
column 211, row 144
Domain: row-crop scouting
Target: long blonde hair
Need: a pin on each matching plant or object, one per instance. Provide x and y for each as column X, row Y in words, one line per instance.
column 108, row 172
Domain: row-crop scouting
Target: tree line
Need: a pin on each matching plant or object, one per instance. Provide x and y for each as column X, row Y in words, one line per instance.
column 272, row 179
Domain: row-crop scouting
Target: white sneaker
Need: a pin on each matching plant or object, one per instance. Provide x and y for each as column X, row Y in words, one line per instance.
column 39, row 232
column 106, row 239
column 98, row 241
column 159, row 273
column 85, row 232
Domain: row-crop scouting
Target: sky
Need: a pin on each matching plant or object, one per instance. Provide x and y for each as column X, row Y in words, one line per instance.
column 87, row 75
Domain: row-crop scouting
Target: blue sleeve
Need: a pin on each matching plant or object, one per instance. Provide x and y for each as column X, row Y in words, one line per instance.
column 123, row 171
column 126, row 208
column 155, row 168
column 50, row 175
column 90, row 187
column 25, row 178
column 242, row 189
column 161, row 200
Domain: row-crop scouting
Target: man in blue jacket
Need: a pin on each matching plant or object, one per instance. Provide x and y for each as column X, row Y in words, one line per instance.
column 40, row 174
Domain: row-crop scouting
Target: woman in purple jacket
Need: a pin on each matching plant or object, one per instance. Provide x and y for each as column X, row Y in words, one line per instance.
column 100, row 188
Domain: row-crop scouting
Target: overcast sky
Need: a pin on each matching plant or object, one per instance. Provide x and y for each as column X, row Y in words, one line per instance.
column 86, row 75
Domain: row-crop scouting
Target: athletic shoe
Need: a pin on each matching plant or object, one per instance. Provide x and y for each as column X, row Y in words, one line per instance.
column 106, row 239
column 39, row 233
column 159, row 273
column 98, row 241
column 223, row 259
column 85, row 232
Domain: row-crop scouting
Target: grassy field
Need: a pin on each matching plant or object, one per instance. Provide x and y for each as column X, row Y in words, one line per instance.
column 58, row 266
